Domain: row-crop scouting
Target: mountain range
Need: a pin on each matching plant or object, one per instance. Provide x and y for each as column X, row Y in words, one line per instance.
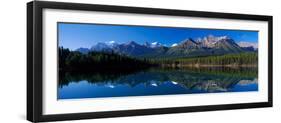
column 189, row 47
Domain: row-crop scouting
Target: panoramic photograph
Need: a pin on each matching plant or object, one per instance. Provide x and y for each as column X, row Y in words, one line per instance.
column 104, row 60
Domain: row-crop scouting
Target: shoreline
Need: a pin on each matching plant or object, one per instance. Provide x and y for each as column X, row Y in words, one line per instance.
column 209, row 65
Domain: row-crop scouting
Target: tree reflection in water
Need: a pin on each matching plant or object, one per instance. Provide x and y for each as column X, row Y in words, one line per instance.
column 209, row 79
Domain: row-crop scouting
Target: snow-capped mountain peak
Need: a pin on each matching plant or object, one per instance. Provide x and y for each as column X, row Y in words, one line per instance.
column 155, row 44
column 100, row 47
column 248, row 44
column 174, row 45
column 112, row 44
column 131, row 43
column 211, row 40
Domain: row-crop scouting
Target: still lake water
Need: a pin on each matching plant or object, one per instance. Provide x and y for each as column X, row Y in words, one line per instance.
column 156, row 82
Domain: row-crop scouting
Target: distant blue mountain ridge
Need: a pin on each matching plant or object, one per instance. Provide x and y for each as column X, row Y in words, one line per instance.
column 189, row 47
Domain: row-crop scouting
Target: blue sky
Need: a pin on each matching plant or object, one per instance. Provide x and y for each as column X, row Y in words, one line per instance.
column 74, row 36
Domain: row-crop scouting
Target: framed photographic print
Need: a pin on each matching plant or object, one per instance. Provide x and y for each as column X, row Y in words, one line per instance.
column 94, row 61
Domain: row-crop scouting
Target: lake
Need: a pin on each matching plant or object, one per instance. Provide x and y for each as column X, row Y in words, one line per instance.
column 157, row 81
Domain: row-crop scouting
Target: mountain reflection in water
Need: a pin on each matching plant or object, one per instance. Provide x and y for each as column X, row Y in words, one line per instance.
column 156, row 81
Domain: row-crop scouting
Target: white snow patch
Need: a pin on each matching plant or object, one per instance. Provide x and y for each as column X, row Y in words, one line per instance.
column 175, row 44
column 111, row 42
column 175, row 83
column 154, row 84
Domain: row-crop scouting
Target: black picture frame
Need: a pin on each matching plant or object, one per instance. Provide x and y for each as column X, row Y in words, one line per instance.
column 34, row 60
